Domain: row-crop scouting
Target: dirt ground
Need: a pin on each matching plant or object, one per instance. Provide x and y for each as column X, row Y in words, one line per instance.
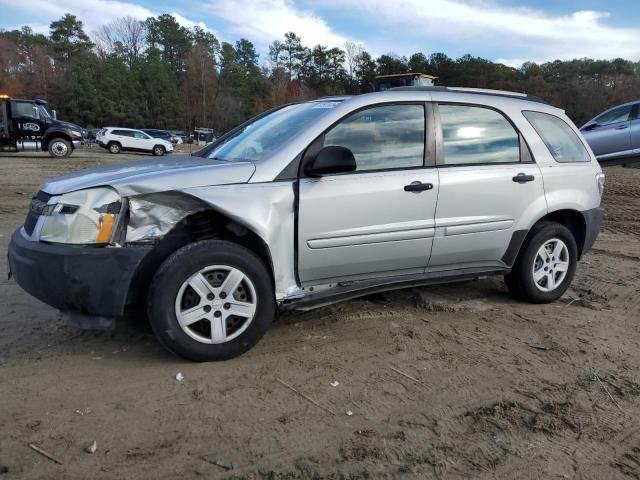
column 444, row 382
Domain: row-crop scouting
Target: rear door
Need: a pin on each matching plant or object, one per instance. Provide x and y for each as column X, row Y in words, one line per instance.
column 364, row 224
column 124, row 137
column 488, row 181
column 610, row 135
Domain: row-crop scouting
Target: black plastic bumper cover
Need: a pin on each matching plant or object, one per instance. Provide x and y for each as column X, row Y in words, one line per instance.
column 93, row 281
column 593, row 221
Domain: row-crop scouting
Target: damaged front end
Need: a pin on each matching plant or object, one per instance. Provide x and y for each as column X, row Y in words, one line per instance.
column 152, row 216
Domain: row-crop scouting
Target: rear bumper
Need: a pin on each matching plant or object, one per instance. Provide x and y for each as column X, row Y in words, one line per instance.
column 593, row 221
column 82, row 281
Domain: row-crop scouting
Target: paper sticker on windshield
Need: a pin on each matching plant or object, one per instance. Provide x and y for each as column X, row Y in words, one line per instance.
column 325, row 105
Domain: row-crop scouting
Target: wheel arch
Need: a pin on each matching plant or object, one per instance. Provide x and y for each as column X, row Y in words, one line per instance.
column 572, row 219
column 50, row 135
column 204, row 223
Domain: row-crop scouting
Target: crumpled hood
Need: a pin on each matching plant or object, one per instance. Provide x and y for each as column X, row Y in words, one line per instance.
column 174, row 172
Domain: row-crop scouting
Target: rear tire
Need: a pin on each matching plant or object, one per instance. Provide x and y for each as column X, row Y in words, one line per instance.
column 545, row 265
column 159, row 150
column 114, row 147
column 193, row 315
column 60, row 148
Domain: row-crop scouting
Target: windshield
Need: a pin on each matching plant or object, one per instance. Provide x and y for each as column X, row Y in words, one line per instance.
column 262, row 137
column 43, row 112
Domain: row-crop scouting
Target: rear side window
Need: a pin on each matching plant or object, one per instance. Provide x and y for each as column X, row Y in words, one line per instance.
column 382, row 137
column 560, row 139
column 477, row 135
column 123, row 133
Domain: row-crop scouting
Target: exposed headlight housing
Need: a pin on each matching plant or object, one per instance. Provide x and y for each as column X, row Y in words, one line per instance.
column 83, row 217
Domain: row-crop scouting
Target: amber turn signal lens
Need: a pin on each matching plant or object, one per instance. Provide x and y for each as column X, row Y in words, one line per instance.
column 104, row 228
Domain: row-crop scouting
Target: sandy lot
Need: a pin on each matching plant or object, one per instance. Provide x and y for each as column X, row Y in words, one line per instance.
column 444, row 382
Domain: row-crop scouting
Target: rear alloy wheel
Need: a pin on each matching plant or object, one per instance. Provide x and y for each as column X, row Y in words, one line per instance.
column 545, row 265
column 159, row 150
column 550, row 265
column 114, row 147
column 60, row 148
column 211, row 300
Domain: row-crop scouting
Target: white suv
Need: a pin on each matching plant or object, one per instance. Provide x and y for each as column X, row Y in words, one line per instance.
column 118, row 139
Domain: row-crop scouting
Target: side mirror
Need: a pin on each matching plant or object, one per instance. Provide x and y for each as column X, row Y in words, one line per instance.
column 590, row 126
column 330, row 160
column 54, row 114
column 36, row 113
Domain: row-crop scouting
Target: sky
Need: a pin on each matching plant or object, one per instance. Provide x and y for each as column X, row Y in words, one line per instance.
column 507, row 31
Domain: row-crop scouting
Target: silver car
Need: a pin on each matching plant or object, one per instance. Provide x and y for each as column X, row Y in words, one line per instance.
column 315, row 202
column 615, row 133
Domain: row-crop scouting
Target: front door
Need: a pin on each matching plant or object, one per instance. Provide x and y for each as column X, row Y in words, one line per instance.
column 487, row 183
column 142, row 141
column 611, row 135
column 27, row 122
column 369, row 223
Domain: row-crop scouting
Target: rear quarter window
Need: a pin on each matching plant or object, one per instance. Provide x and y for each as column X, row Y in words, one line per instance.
column 563, row 143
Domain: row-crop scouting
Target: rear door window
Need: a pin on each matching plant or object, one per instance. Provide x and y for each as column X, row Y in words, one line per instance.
column 123, row 133
column 563, row 143
column 474, row 135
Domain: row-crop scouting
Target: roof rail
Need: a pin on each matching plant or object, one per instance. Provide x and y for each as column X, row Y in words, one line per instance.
column 475, row 91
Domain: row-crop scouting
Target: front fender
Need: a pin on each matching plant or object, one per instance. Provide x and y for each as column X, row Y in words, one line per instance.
column 267, row 209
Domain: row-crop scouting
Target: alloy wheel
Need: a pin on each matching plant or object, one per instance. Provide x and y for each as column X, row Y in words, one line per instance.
column 550, row 265
column 216, row 304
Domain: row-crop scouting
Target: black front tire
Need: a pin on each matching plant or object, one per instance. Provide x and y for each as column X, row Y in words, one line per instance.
column 114, row 147
column 520, row 281
column 59, row 148
column 159, row 150
column 183, row 263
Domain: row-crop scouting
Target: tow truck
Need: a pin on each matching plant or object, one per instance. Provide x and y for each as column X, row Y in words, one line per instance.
column 410, row 79
column 28, row 125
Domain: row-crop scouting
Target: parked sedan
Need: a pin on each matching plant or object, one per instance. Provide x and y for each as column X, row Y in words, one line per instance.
column 615, row 133
column 163, row 134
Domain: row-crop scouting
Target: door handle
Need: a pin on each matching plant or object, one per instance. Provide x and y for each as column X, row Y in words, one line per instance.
column 522, row 178
column 418, row 187
column 621, row 127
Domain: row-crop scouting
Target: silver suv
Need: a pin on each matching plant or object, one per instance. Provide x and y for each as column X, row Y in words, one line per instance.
column 315, row 202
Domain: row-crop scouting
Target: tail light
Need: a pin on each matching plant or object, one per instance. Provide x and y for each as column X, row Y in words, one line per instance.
column 600, row 182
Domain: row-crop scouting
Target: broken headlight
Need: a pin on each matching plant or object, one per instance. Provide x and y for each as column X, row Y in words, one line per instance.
column 83, row 217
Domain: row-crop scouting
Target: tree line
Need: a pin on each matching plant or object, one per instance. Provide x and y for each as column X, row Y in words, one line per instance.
column 157, row 73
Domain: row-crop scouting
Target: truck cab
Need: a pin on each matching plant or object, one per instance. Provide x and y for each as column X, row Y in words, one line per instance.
column 28, row 125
